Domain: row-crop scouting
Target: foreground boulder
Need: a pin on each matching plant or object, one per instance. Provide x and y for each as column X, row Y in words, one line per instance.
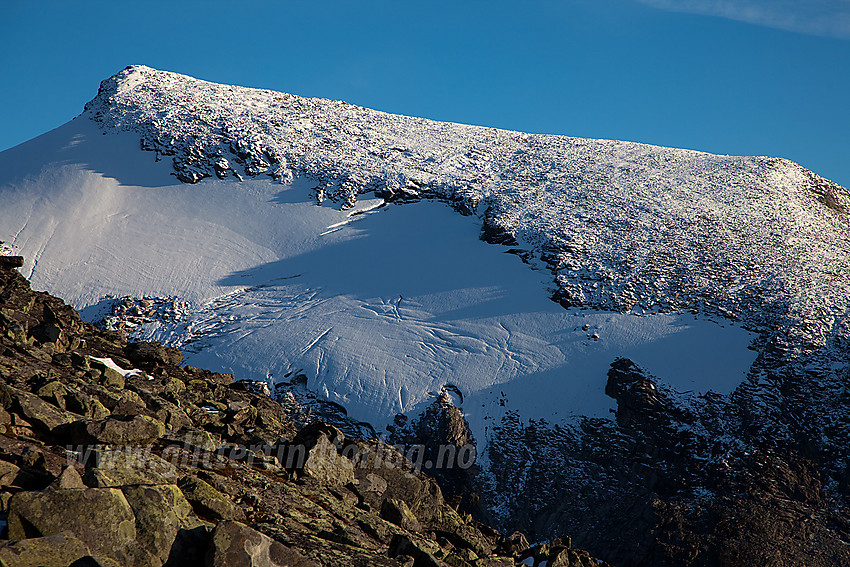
column 100, row 517
column 58, row 550
column 161, row 512
column 121, row 430
column 237, row 545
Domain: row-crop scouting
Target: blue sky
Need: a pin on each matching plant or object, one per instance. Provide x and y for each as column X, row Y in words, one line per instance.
column 754, row 77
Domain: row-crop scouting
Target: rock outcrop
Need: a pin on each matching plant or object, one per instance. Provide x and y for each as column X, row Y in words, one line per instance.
column 112, row 454
column 671, row 483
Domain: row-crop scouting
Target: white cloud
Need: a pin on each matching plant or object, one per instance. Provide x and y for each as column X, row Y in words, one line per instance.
column 816, row 17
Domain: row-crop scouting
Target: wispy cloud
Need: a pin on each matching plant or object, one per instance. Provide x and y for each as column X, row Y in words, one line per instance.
column 829, row 18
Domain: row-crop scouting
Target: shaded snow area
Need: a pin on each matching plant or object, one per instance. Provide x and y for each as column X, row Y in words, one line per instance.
column 262, row 234
column 379, row 305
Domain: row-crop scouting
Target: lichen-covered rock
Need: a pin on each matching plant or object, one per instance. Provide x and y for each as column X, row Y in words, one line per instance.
column 160, row 511
column 120, row 430
column 134, row 515
column 69, row 478
column 326, row 465
column 100, row 517
column 236, row 545
column 126, row 466
column 402, row 545
column 208, row 502
column 397, row 512
column 57, row 550
column 39, row 412
column 86, row 405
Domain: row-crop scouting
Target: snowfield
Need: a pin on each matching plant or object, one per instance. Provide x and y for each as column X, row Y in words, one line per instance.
column 273, row 223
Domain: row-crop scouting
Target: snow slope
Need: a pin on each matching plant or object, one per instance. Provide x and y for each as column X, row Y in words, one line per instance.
column 264, row 215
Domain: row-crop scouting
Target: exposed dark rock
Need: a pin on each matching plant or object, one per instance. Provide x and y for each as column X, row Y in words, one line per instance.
column 11, row 262
column 150, row 354
column 440, row 442
column 397, row 512
column 402, row 545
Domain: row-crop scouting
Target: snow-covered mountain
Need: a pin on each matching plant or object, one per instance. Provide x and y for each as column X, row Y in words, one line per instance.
column 274, row 236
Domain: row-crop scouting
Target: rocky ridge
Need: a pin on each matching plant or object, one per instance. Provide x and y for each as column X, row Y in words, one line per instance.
column 113, row 454
column 621, row 225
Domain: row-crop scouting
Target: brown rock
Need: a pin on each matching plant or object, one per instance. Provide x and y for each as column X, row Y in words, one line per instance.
column 152, row 353
column 8, row 473
column 69, row 478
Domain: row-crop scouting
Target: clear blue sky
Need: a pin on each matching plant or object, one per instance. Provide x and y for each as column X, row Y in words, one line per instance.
column 765, row 77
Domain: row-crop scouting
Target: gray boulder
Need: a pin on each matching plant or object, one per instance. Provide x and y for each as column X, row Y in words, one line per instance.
column 121, row 430
column 121, row 467
column 39, row 412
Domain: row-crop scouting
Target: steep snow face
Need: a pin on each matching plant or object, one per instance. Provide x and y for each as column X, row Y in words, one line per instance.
column 379, row 305
column 287, row 258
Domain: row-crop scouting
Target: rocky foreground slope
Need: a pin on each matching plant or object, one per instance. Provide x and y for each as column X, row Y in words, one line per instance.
column 112, row 454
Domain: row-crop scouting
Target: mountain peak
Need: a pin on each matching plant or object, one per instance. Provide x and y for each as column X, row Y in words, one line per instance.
column 650, row 227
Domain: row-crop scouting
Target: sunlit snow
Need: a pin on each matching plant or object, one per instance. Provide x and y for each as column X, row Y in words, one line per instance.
column 379, row 306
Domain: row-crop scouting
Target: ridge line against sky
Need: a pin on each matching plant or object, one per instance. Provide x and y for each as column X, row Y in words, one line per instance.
column 750, row 77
